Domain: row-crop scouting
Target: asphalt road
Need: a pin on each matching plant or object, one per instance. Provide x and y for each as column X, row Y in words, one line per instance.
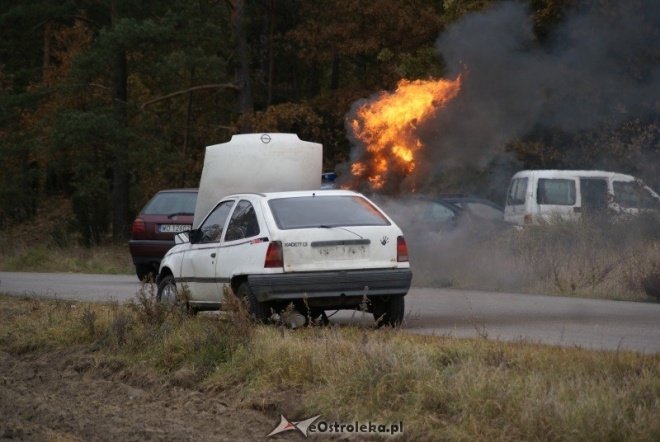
column 578, row 322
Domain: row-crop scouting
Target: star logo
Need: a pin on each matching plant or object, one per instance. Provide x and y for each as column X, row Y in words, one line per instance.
column 287, row 425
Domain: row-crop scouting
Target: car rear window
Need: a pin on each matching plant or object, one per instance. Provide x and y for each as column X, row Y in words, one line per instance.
column 325, row 211
column 170, row 203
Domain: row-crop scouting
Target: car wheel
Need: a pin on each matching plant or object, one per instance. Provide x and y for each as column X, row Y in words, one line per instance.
column 144, row 272
column 167, row 291
column 389, row 311
column 257, row 310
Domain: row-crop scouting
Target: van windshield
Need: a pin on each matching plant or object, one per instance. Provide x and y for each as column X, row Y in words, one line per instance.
column 556, row 192
column 629, row 194
column 325, row 211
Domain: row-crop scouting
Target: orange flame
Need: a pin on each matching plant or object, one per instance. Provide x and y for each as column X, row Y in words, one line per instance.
column 387, row 126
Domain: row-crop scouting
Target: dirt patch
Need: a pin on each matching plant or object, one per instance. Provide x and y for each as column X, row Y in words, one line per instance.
column 74, row 395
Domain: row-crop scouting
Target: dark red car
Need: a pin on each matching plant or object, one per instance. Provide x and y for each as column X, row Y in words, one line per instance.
column 152, row 235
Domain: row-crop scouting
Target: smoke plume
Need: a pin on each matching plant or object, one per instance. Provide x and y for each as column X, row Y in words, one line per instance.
column 597, row 68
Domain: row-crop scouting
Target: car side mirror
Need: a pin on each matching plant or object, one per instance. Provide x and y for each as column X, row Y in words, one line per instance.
column 195, row 236
column 182, row 237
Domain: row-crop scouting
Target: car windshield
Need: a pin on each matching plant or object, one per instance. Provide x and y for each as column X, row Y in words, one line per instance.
column 325, row 211
column 171, row 203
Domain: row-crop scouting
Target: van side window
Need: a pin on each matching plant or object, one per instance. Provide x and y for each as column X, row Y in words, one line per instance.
column 629, row 194
column 556, row 192
column 243, row 222
column 517, row 190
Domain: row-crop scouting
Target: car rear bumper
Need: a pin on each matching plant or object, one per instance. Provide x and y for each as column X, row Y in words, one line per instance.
column 146, row 251
column 330, row 284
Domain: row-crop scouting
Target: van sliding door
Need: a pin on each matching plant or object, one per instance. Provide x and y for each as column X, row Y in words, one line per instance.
column 594, row 195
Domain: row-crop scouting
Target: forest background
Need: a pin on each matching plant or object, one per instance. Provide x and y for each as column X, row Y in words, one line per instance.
column 105, row 102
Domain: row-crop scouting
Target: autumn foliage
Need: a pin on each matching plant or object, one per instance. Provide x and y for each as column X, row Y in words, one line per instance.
column 104, row 103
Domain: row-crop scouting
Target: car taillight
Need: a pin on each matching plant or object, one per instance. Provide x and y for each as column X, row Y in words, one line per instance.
column 138, row 226
column 274, row 256
column 401, row 250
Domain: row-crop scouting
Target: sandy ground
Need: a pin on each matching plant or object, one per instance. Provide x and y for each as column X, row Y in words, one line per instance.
column 71, row 396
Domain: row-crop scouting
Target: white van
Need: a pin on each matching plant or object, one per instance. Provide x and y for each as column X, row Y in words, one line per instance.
column 537, row 196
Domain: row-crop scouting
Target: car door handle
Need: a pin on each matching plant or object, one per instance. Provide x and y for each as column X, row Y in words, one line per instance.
column 212, row 255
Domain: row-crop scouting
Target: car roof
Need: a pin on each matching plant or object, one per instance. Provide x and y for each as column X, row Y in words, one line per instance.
column 298, row 194
column 470, row 199
column 566, row 173
column 183, row 189
column 435, row 199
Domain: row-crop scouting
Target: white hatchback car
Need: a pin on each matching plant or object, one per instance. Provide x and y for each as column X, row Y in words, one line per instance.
column 320, row 250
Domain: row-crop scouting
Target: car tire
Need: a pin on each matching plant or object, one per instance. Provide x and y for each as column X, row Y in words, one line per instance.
column 167, row 291
column 168, row 295
column 258, row 310
column 144, row 272
column 389, row 311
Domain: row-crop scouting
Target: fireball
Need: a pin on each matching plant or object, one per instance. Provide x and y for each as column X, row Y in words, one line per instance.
column 388, row 124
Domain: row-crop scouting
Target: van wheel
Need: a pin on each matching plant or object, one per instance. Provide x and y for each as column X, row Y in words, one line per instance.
column 257, row 310
column 389, row 311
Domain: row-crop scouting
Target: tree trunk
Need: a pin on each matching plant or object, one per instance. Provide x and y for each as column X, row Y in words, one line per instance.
column 271, row 61
column 245, row 103
column 120, row 174
column 48, row 30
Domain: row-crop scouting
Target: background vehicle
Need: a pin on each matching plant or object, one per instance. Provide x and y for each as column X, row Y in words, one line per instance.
column 443, row 213
column 169, row 212
column 475, row 207
column 328, row 180
column 320, row 250
column 540, row 195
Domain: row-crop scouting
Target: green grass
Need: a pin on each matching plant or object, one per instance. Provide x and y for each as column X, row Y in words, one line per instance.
column 107, row 259
column 440, row 387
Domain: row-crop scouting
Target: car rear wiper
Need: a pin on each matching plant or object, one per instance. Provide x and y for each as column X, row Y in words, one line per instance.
column 325, row 226
column 172, row 215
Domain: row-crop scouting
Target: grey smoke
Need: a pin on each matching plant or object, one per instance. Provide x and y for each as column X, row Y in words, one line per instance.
column 599, row 67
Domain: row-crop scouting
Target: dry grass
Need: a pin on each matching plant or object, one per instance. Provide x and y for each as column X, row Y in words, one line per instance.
column 442, row 388
column 589, row 258
column 112, row 259
column 48, row 243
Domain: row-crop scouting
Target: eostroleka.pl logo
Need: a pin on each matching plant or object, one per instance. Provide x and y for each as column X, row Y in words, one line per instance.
column 287, row 425
column 311, row 426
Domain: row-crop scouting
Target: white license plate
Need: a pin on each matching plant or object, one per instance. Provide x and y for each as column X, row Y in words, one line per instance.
column 343, row 252
column 173, row 228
